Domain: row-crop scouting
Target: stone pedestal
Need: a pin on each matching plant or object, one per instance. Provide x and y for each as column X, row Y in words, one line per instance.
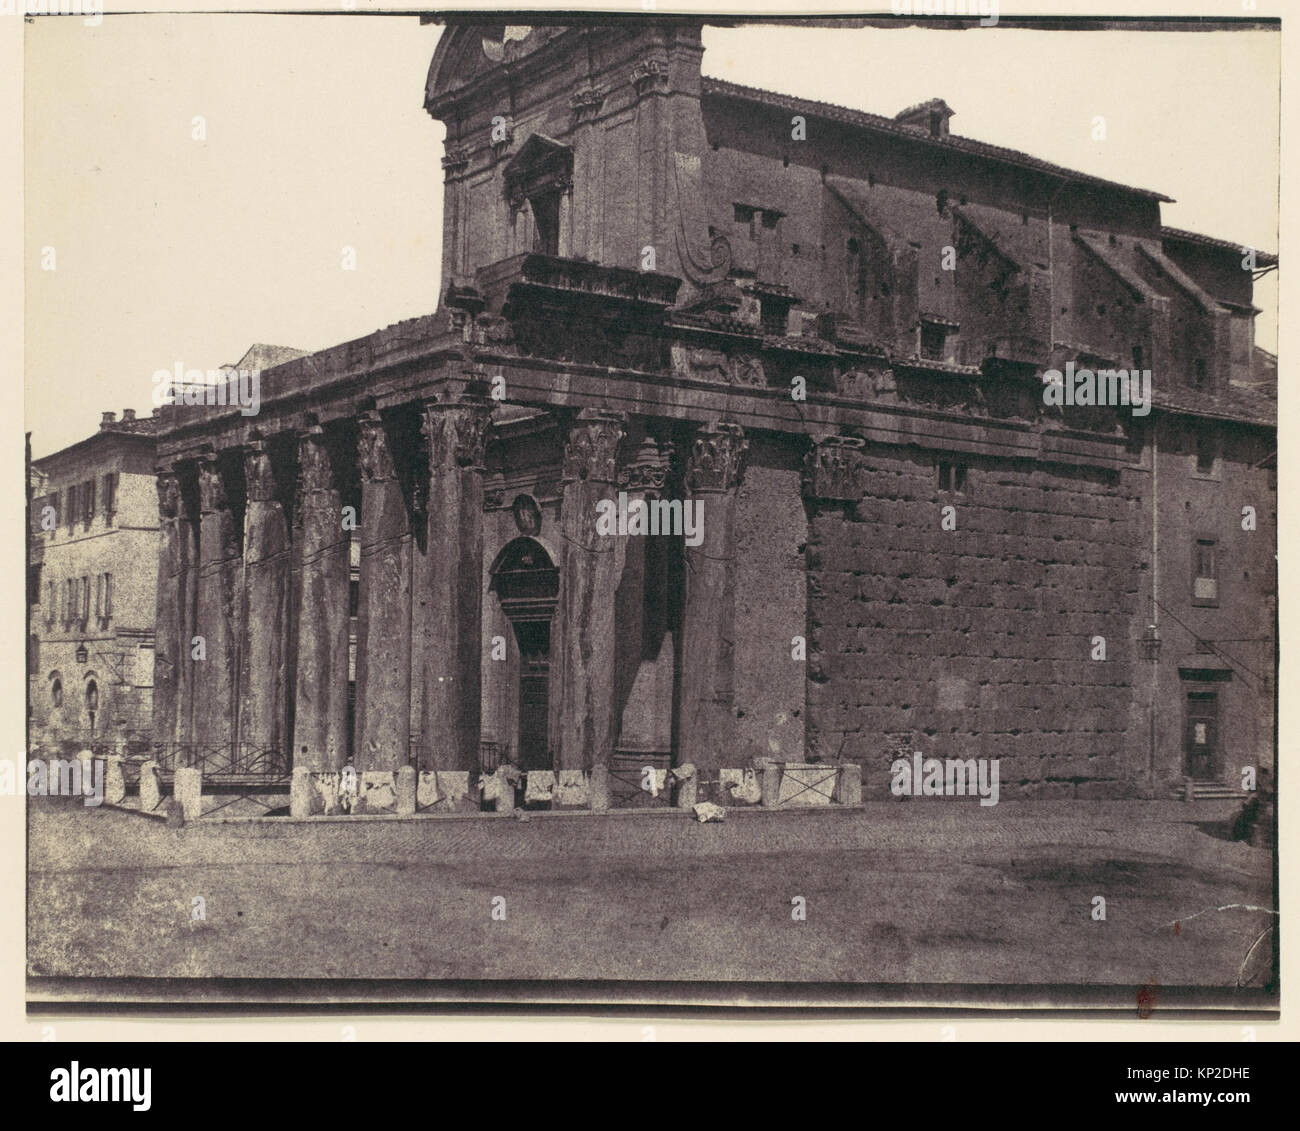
column 849, row 790
column 187, row 788
column 598, row 789
column 405, row 780
column 114, row 782
column 150, row 787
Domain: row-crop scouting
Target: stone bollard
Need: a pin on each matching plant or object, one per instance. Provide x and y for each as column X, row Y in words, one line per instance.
column 114, row 780
column 406, row 783
column 598, row 789
column 771, row 785
column 301, row 791
column 688, row 786
column 505, row 795
column 150, row 788
column 187, row 788
column 850, row 784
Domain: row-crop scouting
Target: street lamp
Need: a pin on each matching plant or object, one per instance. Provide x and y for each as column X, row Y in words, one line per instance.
column 81, row 653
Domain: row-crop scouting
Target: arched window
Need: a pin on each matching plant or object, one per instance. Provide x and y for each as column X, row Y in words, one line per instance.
column 92, row 701
column 56, row 692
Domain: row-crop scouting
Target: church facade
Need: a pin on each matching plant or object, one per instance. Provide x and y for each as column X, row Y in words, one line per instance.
column 730, row 441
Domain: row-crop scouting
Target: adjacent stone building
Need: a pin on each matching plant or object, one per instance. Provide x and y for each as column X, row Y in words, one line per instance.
column 823, row 332
column 93, row 539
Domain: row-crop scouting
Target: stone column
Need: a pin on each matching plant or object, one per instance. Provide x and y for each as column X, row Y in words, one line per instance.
column 220, row 590
column 583, row 685
column 706, row 726
column 384, row 608
column 448, row 595
column 320, row 565
column 173, row 612
column 263, row 722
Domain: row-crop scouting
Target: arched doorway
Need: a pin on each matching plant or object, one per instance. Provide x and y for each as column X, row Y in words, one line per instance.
column 527, row 583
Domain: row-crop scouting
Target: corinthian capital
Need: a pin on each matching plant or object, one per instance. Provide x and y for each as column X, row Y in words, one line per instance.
column 717, row 459
column 212, row 488
column 258, row 473
column 592, row 448
column 169, row 493
column 456, row 431
column 373, row 454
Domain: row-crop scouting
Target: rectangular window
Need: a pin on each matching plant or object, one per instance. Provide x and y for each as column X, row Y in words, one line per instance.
column 83, row 612
column 88, row 489
column 72, row 506
column 1205, row 580
column 52, row 601
column 773, row 317
column 108, row 596
column 546, row 220
column 110, row 496
column 1199, row 373
column 933, row 339
column 1207, row 450
column 952, row 477
column 99, row 596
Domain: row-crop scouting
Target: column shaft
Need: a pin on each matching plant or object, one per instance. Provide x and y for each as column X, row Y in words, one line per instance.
column 448, row 585
column 706, row 729
column 263, row 723
column 220, row 587
column 384, row 612
column 320, row 564
column 584, row 716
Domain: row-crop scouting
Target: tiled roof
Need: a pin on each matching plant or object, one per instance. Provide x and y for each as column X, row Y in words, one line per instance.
column 881, row 124
column 1263, row 258
column 1237, row 403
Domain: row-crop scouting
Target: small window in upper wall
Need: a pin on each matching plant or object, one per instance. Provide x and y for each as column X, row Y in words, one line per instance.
column 1199, row 373
column 1205, row 577
column 1207, row 452
column 933, row 339
column 953, row 478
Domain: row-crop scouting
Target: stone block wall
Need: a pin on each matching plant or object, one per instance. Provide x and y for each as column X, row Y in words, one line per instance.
column 977, row 642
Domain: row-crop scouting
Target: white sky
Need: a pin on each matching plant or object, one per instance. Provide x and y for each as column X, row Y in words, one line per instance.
column 170, row 249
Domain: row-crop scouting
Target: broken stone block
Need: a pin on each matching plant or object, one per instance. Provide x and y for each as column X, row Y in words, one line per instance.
column 426, row 789
column 572, row 789
column 743, row 786
column 706, row 811
column 454, row 792
column 541, row 784
column 150, row 787
column 378, row 792
column 805, row 785
column 771, row 784
column 187, row 788
column 326, row 791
